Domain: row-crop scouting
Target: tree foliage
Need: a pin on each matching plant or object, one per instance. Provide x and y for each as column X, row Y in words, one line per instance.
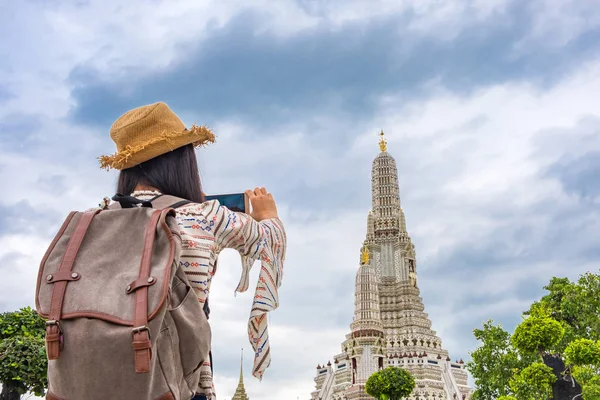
column 25, row 322
column 534, row 382
column 583, row 357
column 391, row 383
column 23, row 362
column 561, row 330
column 591, row 390
column 575, row 304
column 537, row 333
column 583, row 352
column 492, row 364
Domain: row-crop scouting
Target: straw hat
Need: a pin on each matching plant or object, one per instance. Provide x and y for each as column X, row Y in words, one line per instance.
column 150, row 131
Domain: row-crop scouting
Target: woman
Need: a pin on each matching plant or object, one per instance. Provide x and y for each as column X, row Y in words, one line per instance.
column 155, row 155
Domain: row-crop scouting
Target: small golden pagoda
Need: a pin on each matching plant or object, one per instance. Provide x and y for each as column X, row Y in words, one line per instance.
column 240, row 392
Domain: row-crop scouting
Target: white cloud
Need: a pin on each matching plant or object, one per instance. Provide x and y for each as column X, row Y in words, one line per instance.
column 432, row 18
column 497, row 160
column 558, row 22
column 116, row 38
column 463, row 160
column 20, row 256
column 438, row 154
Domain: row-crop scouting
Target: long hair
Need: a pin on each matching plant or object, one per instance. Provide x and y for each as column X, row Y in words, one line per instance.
column 174, row 173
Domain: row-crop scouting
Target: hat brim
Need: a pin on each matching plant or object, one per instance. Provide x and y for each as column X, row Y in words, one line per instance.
column 159, row 145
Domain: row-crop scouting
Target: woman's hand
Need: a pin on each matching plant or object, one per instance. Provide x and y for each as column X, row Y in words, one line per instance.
column 263, row 205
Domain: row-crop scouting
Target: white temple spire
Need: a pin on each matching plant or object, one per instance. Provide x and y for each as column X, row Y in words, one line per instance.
column 390, row 326
column 384, row 183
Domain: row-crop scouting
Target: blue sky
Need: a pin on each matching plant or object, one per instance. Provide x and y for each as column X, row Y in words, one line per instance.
column 490, row 108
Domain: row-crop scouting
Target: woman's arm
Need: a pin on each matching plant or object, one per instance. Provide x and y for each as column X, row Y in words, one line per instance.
column 260, row 233
column 254, row 240
column 259, row 236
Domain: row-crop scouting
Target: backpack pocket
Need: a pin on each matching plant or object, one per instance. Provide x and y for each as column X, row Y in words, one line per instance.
column 168, row 360
column 180, row 290
column 192, row 329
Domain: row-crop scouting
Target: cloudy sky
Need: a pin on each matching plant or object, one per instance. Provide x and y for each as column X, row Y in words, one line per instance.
column 491, row 109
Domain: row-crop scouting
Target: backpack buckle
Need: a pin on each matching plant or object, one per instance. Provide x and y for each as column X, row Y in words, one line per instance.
column 54, row 340
column 51, row 322
column 140, row 329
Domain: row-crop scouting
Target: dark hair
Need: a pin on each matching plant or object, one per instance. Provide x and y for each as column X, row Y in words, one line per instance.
column 174, row 173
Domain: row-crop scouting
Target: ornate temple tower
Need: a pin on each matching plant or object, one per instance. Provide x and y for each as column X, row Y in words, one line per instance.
column 365, row 344
column 240, row 392
column 390, row 326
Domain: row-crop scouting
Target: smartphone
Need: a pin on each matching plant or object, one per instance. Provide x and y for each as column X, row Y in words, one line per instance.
column 235, row 201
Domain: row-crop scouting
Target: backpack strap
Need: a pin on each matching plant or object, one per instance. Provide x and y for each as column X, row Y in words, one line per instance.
column 142, row 346
column 180, row 204
column 159, row 202
column 130, row 202
column 53, row 329
column 167, row 201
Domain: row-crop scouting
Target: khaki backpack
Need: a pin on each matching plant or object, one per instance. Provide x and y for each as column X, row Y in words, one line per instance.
column 122, row 319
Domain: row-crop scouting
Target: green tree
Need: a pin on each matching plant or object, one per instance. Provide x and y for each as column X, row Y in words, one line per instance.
column 537, row 333
column 583, row 358
column 575, row 304
column 534, row 382
column 583, row 352
column 493, row 363
column 391, row 383
column 561, row 331
column 23, row 362
column 591, row 391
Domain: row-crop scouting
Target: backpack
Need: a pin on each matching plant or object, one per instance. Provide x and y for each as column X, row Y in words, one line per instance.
column 123, row 321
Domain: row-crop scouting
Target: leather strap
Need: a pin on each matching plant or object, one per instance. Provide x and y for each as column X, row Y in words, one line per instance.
column 138, row 283
column 62, row 276
column 53, row 331
column 142, row 346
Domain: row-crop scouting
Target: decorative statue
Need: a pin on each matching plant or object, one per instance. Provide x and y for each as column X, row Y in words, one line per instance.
column 412, row 278
column 382, row 142
column 364, row 257
column 412, row 274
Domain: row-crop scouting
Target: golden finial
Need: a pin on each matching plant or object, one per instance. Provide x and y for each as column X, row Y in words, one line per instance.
column 382, row 142
column 364, row 257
